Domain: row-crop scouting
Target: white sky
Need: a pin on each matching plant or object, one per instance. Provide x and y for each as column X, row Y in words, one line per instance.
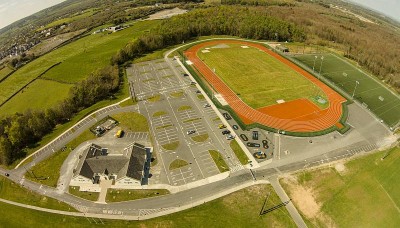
column 13, row 10
column 388, row 7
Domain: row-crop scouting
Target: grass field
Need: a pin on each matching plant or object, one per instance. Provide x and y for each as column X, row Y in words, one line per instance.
column 119, row 195
column 67, row 20
column 379, row 99
column 51, row 166
column 258, row 78
column 79, row 59
column 92, row 196
column 55, row 92
column 239, row 209
column 4, row 72
column 360, row 193
column 14, row 192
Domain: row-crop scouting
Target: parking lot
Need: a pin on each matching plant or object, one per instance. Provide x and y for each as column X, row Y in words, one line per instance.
column 177, row 111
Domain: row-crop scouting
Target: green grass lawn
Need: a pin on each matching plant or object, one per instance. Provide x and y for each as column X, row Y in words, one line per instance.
column 119, row 195
column 239, row 209
column 92, row 196
column 184, row 107
column 219, row 161
column 50, row 168
column 159, row 113
column 13, row 192
column 379, row 99
column 258, row 78
column 132, row 121
column 177, row 163
column 240, row 154
column 4, row 72
column 55, row 92
column 365, row 194
column 176, row 94
column 79, row 59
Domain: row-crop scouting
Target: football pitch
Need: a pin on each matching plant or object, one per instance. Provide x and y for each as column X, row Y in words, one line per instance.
column 259, row 79
column 372, row 94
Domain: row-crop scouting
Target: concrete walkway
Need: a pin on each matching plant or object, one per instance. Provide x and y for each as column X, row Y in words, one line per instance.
column 104, row 185
column 284, row 197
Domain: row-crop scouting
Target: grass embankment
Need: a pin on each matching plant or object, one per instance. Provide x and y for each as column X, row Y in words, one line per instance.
column 119, row 195
column 239, row 209
column 92, row 196
column 4, row 72
column 240, row 154
column 178, row 163
column 79, row 59
column 360, row 193
column 132, row 121
column 49, row 169
column 219, row 161
column 13, row 192
column 249, row 71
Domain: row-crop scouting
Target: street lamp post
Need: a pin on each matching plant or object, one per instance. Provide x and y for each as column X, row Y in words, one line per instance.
column 315, row 59
column 355, row 87
column 320, row 67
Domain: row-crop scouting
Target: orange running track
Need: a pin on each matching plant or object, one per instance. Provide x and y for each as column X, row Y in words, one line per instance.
column 279, row 118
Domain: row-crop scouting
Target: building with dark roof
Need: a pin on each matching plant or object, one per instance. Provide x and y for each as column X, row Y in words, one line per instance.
column 96, row 163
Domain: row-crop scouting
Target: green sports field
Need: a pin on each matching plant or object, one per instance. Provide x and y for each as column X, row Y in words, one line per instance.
column 380, row 100
column 258, row 78
column 79, row 59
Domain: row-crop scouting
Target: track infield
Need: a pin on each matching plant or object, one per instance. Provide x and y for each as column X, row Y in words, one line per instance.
column 297, row 115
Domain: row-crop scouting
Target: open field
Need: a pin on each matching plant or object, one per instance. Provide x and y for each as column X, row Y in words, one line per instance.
column 380, row 100
column 4, row 72
column 119, row 195
column 79, row 59
column 34, row 97
column 50, row 168
column 258, row 78
column 11, row 191
column 239, row 209
column 360, row 193
column 67, row 20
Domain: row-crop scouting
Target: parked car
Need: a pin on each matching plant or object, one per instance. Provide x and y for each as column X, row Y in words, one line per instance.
column 198, row 91
column 235, row 127
column 244, row 137
column 265, row 144
column 7, row 174
column 206, row 105
column 230, row 137
column 255, row 135
column 221, row 126
column 119, row 134
column 251, row 144
column 185, row 75
column 190, row 132
column 226, row 116
column 226, row 132
column 193, row 83
column 260, row 155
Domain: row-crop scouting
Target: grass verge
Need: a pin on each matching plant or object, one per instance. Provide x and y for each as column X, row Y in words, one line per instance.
column 92, row 196
column 171, row 146
column 119, row 195
column 14, row 192
column 219, row 161
column 184, row 107
column 200, row 138
column 233, row 210
column 240, row 154
column 159, row 113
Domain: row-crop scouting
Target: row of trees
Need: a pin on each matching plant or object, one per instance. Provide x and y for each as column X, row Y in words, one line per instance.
column 224, row 20
column 20, row 131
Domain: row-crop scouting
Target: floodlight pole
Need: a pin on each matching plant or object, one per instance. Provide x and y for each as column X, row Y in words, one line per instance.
column 355, row 87
column 320, row 68
column 213, row 91
column 315, row 59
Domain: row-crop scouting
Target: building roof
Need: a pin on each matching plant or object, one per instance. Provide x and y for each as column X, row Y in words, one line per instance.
column 130, row 164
